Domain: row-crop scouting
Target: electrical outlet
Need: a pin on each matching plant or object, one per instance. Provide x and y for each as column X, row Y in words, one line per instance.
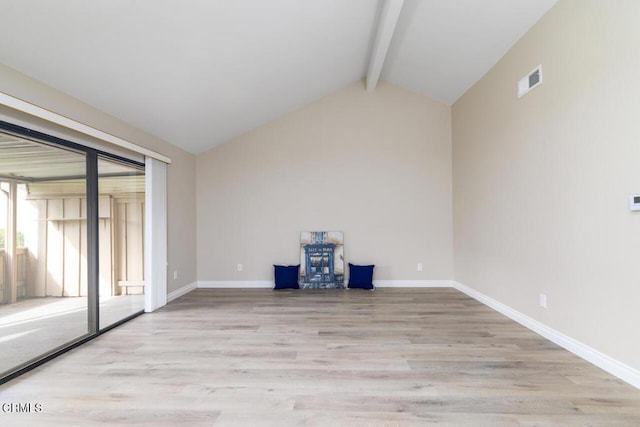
column 175, row 274
column 543, row 301
column 419, row 267
column 239, row 267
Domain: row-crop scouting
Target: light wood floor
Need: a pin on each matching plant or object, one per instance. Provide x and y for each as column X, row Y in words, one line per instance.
column 256, row 357
column 34, row 326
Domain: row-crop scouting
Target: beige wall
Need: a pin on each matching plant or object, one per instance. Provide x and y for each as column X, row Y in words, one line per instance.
column 541, row 183
column 181, row 175
column 374, row 165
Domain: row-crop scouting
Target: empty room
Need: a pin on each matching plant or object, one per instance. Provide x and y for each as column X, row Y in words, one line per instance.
column 319, row 212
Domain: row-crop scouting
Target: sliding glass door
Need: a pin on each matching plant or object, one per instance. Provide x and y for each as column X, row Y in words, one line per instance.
column 121, row 236
column 71, row 245
column 44, row 255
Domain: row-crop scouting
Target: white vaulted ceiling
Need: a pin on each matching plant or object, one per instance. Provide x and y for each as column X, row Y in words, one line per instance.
column 442, row 47
column 198, row 73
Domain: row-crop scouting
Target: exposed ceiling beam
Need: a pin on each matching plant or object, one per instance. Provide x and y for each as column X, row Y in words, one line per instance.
column 386, row 27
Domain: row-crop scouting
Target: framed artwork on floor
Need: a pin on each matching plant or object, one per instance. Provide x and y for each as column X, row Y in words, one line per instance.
column 322, row 260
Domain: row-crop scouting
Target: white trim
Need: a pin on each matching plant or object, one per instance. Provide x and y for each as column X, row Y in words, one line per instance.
column 155, row 230
column 607, row 363
column 377, row 283
column 58, row 119
column 412, row 283
column 182, row 291
column 235, row 284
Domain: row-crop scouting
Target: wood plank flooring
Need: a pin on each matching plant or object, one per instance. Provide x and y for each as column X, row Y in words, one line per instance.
column 35, row 326
column 255, row 357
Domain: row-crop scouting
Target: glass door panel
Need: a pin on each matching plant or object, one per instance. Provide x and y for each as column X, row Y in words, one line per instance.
column 121, row 190
column 43, row 250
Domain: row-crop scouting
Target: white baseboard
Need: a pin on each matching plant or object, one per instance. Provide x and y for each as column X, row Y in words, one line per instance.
column 181, row 291
column 378, row 283
column 235, row 284
column 413, row 283
column 624, row 372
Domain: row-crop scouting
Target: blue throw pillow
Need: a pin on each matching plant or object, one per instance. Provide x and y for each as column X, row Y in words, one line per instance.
column 361, row 276
column 286, row 276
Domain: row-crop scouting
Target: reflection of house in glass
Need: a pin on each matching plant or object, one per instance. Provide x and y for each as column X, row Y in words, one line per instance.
column 322, row 259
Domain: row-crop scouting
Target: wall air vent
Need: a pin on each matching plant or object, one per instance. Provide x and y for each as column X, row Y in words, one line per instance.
column 531, row 80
